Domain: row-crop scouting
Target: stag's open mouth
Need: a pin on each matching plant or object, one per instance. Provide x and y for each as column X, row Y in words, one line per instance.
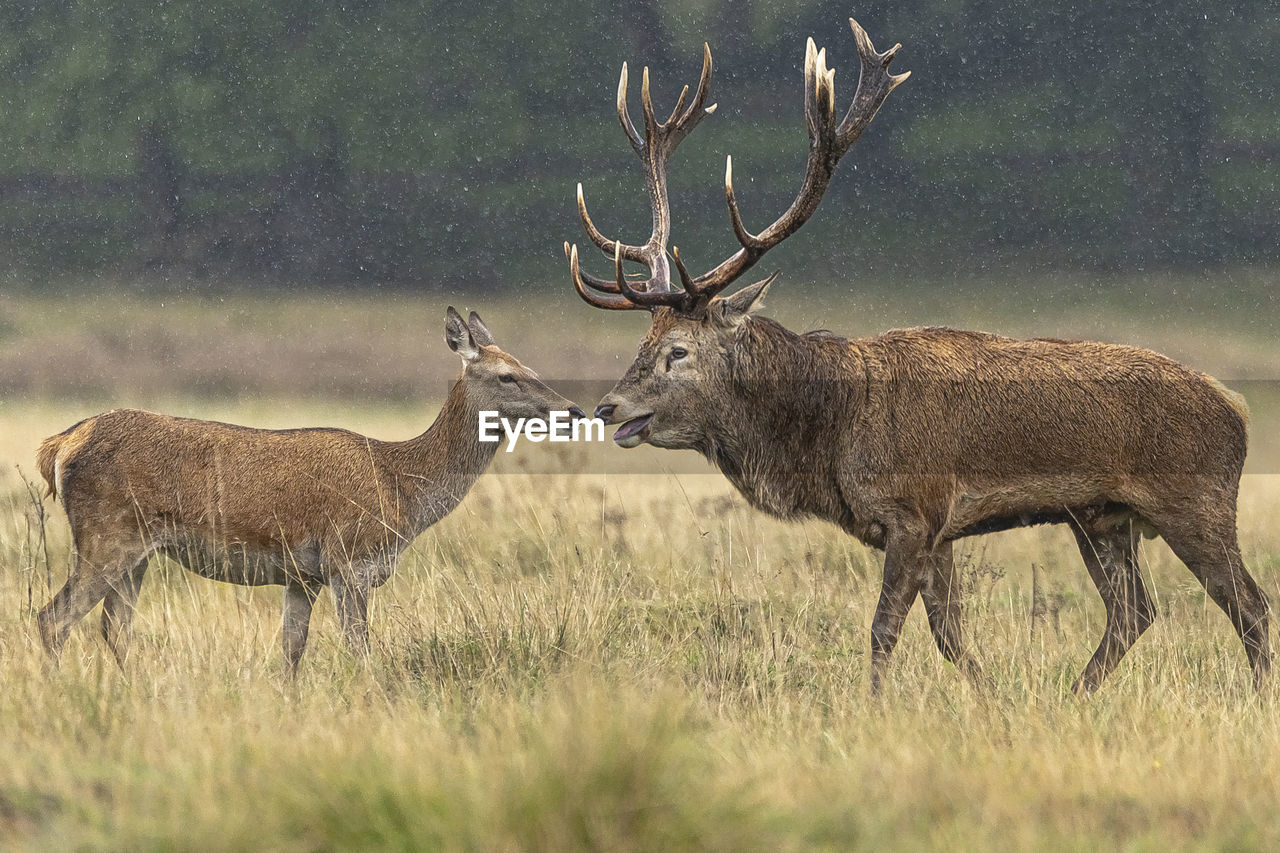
column 633, row 432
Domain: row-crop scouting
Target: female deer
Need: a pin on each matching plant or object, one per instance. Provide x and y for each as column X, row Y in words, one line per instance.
column 304, row 508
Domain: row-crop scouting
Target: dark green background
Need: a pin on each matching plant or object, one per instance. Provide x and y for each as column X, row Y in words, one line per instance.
column 375, row 142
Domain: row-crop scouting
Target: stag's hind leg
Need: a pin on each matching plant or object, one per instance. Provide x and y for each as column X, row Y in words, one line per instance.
column 1206, row 541
column 1111, row 556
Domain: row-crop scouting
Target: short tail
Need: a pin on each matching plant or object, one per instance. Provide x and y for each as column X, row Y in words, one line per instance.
column 46, row 461
column 1234, row 399
column 56, row 450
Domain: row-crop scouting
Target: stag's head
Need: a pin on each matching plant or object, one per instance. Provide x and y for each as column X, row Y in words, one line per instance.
column 495, row 380
column 674, row 391
column 680, row 389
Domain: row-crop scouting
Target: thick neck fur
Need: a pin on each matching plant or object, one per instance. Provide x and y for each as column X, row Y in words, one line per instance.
column 789, row 397
column 435, row 470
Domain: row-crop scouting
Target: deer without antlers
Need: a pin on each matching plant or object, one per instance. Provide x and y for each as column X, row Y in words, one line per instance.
column 916, row 438
column 303, row 508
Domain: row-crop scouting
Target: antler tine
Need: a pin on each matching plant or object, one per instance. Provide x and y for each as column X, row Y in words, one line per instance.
column 685, row 278
column 651, row 126
column 624, row 114
column 675, row 111
column 591, row 281
column 827, row 144
column 819, row 98
column 631, row 253
column 646, row 298
column 598, row 284
column 874, row 85
column 697, row 110
column 745, row 237
column 580, row 279
column 810, row 84
column 823, row 94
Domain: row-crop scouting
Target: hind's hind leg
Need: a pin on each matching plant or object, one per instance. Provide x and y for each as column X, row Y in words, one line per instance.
column 101, row 564
column 117, row 610
column 1111, row 556
column 1205, row 539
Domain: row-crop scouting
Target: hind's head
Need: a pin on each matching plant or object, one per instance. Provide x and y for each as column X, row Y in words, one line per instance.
column 495, row 380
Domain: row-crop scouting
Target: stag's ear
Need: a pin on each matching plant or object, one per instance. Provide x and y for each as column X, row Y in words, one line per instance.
column 479, row 331
column 733, row 309
column 459, row 337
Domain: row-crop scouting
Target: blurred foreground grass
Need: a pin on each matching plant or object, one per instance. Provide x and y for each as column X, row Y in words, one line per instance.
column 611, row 661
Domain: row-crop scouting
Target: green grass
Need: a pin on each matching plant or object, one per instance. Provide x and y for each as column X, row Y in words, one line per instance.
column 611, row 661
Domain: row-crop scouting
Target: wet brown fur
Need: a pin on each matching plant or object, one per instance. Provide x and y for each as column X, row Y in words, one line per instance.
column 304, row 508
column 918, row 437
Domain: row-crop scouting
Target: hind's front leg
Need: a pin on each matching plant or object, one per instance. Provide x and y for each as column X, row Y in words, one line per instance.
column 299, row 597
column 351, row 592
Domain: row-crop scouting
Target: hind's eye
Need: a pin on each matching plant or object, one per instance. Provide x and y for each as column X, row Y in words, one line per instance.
column 679, row 352
column 506, row 377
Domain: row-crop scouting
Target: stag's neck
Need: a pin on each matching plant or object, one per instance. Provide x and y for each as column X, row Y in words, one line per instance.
column 794, row 400
column 435, row 470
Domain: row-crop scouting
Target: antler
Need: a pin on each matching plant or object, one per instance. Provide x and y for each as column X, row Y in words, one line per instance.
column 827, row 144
column 654, row 150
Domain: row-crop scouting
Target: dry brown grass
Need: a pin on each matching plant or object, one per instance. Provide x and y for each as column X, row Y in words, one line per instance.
column 622, row 661
column 554, row 669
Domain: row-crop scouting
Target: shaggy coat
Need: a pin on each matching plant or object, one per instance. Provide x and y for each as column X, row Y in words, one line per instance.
column 918, row 437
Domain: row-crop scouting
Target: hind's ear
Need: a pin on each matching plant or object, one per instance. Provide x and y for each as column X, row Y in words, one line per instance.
column 479, row 331
column 459, row 337
column 733, row 309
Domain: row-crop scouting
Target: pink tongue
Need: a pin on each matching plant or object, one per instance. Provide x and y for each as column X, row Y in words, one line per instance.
column 631, row 427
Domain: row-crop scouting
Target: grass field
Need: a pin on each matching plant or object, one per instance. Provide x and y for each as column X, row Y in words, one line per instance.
column 614, row 653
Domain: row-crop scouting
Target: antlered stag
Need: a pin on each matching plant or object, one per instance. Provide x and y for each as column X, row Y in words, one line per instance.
column 304, row 508
column 916, row 438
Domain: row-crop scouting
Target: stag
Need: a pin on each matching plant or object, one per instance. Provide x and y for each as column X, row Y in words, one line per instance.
column 302, row 508
column 916, row 438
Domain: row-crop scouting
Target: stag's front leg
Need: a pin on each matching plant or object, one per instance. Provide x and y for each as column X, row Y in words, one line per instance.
column 904, row 573
column 351, row 590
column 941, row 594
column 299, row 598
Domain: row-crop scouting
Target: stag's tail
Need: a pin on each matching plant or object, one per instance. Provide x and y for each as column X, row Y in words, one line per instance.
column 56, row 450
column 1234, row 399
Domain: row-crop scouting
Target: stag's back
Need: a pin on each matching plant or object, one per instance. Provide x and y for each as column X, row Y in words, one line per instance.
column 988, row 408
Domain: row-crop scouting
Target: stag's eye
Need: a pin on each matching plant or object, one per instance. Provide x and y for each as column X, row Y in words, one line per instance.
column 678, row 353
column 506, row 377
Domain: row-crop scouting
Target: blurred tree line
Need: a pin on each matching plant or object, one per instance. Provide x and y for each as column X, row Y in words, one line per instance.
column 395, row 141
